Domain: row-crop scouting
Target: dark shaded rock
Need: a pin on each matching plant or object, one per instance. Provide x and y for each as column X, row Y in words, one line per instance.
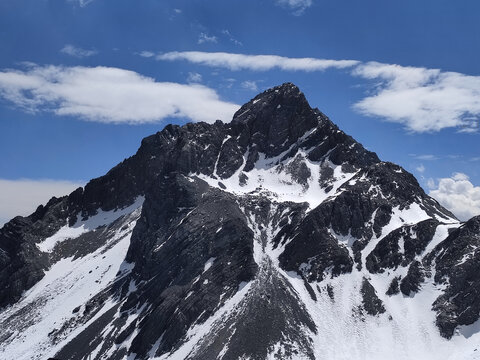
column 22, row 264
column 313, row 249
column 457, row 265
column 371, row 303
column 275, row 119
column 175, row 256
column 330, row 292
column 299, row 170
column 394, row 287
column 242, row 179
column 389, row 255
column 411, row 283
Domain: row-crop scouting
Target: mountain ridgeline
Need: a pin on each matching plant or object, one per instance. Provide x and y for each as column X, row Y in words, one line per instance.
column 274, row 236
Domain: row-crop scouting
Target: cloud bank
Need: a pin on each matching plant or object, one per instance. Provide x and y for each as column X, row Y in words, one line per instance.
column 423, row 100
column 458, row 195
column 22, row 197
column 255, row 62
column 110, row 95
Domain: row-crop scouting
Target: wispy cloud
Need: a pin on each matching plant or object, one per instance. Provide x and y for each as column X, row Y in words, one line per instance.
column 194, row 77
column 425, row 157
column 146, row 54
column 249, row 85
column 81, row 3
column 458, row 195
column 110, row 95
column 423, row 100
column 76, row 51
column 297, row 6
column 231, row 38
column 255, row 62
column 21, row 197
column 420, row 168
column 204, row 38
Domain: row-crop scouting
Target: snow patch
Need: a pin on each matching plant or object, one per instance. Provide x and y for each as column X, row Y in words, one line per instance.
column 208, row 264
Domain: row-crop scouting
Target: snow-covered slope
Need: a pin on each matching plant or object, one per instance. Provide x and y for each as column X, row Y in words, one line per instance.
column 276, row 236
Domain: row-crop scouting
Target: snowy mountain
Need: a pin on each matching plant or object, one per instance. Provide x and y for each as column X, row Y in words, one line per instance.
column 275, row 236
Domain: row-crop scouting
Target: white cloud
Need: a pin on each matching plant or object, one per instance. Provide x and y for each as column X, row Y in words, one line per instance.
column 81, row 3
column 421, row 168
column 458, row 195
column 76, row 51
column 146, row 54
column 194, row 77
column 84, row 3
column 177, row 11
column 298, row 6
column 249, row 85
column 431, row 184
column 255, row 62
column 22, row 197
column 426, row 157
column 424, row 100
column 231, row 38
column 110, row 95
column 203, row 38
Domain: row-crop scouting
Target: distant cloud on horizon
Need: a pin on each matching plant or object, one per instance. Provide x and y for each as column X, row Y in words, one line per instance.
column 22, row 196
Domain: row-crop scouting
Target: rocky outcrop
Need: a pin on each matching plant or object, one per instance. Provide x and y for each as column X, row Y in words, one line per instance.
column 457, row 264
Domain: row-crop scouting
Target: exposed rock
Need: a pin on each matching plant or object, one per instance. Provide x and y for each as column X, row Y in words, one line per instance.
column 371, row 303
column 411, row 283
column 457, row 265
column 394, row 288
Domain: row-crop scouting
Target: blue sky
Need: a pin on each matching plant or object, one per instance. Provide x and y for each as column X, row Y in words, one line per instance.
column 82, row 82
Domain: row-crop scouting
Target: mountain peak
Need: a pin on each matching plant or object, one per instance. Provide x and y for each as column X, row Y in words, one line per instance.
column 287, row 94
column 276, row 118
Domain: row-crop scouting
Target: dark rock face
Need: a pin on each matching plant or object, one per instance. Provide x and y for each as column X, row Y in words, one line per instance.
column 21, row 263
column 274, row 120
column 394, row 288
column 194, row 223
column 457, row 265
column 411, row 283
column 313, row 250
column 371, row 303
column 388, row 254
column 245, row 267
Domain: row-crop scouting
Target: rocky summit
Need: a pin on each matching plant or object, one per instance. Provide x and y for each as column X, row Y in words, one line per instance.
column 274, row 236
